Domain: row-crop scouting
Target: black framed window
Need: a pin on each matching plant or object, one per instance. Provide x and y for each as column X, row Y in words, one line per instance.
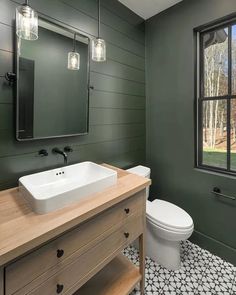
column 216, row 110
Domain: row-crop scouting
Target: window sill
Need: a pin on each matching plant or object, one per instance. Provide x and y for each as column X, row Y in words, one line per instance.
column 216, row 173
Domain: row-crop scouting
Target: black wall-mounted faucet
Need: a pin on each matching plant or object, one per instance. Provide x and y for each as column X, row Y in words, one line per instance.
column 68, row 149
column 60, row 152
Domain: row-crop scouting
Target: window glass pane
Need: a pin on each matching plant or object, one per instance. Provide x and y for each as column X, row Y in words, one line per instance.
column 234, row 59
column 214, row 133
column 233, row 134
column 215, row 46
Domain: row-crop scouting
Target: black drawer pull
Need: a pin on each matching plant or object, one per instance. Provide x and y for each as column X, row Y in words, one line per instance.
column 127, row 210
column 59, row 288
column 126, row 235
column 60, row 253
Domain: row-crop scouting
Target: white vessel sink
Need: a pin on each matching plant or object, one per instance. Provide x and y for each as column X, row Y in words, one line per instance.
column 54, row 189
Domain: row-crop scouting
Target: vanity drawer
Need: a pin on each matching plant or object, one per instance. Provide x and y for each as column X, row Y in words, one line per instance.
column 71, row 277
column 55, row 255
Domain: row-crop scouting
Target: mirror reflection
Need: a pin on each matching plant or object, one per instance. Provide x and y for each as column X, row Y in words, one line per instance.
column 52, row 84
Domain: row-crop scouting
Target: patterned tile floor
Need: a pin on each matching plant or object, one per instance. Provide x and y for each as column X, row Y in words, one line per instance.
column 201, row 273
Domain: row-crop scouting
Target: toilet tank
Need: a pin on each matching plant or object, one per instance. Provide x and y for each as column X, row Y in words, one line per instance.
column 141, row 171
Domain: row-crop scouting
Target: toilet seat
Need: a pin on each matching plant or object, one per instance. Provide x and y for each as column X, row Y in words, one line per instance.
column 168, row 216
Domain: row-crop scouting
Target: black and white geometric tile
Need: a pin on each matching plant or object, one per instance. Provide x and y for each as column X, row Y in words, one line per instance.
column 201, row 273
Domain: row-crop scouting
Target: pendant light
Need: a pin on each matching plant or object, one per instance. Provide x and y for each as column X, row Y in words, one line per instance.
column 98, row 44
column 26, row 22
column 73, row 57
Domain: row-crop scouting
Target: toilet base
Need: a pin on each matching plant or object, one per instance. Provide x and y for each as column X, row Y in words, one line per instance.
column 165, row 253
column 162, row 251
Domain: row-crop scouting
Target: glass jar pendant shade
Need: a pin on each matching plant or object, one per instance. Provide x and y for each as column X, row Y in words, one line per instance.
column 99, row 50
column 73, row 58
column 98, row 44
column 73, row 61
column 26, row 22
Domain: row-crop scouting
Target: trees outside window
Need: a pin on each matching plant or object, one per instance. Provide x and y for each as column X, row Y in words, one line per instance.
column 217, row 98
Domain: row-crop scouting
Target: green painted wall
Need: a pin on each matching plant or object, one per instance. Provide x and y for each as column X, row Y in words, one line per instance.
column 170, row 124
column 117, row 104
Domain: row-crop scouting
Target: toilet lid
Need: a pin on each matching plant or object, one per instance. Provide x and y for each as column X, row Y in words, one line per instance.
column 168, row 215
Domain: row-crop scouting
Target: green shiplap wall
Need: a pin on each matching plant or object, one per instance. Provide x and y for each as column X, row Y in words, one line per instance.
column 170, row 124
column 117, row 103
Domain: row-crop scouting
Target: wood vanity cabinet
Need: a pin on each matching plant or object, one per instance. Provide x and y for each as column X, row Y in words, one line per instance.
column 84, row 258
column 1, row 282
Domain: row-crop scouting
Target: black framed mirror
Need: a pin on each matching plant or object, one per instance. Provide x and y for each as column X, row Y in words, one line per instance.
column 52, row 100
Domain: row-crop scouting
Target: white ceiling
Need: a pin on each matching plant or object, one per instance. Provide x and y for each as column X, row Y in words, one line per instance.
column 148, row 8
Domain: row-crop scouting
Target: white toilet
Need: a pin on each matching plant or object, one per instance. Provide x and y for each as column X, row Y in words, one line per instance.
column 167, row 226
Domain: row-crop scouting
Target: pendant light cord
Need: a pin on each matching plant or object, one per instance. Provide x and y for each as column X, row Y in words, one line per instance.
column 74, row 44
column 99, row 16
column 27, row 2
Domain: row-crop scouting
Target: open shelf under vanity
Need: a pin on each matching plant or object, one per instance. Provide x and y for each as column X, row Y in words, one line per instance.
column 119, row 277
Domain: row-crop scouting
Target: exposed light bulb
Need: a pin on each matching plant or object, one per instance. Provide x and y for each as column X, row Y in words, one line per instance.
column 73, row 61
column 98, row 50
column 26, row 26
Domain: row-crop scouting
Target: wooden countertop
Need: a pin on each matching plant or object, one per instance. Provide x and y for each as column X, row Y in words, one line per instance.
column 21, row 229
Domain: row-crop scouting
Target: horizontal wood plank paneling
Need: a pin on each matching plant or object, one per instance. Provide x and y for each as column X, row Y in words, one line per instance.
column 6, row 35
column 7, row 12
column 125, row 57
column 6, row 90
column 6, row 117
column 116, row 116
column 111, row 68
column 125, row 42
column 105, row 99
column 117, row 103
column 97, row 134
column 108, row 18
column 6, row 62
column 128, row 159
column 118, row 70
column 112, row 84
